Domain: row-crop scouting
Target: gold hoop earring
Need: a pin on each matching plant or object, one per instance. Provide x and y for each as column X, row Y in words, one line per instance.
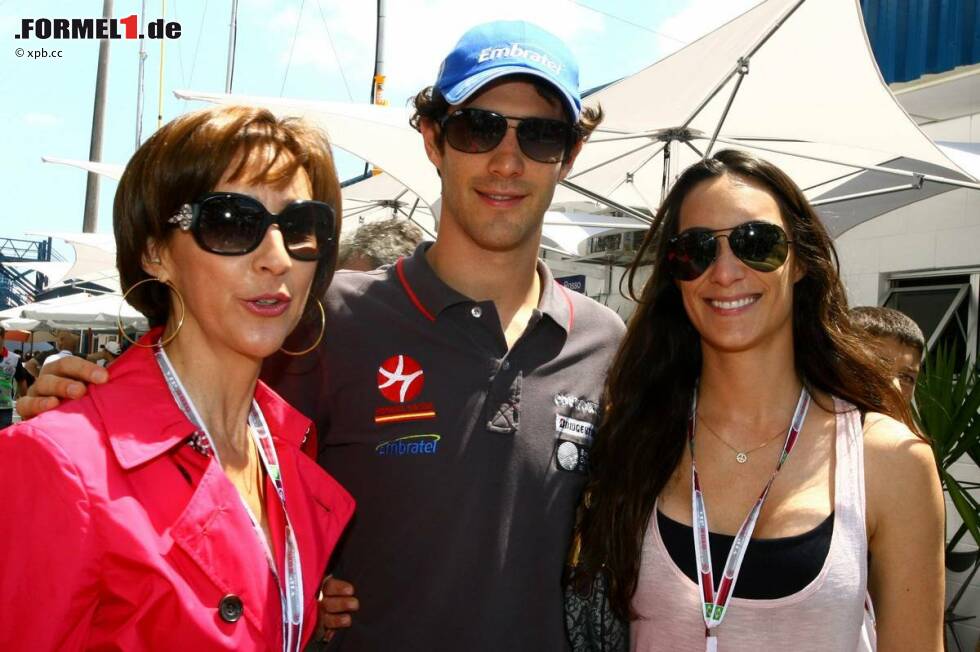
column 180, row 322
column 323, row 328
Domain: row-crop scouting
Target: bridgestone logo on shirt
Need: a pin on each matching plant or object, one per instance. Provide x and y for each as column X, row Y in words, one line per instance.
column 580, row 432
column 515, row 51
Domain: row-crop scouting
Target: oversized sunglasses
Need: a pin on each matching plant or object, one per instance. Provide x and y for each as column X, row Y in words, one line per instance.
column 231, row 224
column 476, row 131
column 763, row 246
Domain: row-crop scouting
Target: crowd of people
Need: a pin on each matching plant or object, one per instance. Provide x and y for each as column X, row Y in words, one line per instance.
column 737, row 469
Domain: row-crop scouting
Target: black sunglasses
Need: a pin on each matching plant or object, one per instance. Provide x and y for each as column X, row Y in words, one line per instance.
column 476, row 131
column 232, row 224
column 763, row 246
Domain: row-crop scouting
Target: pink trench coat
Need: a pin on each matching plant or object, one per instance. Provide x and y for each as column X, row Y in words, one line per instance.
column 115, row 533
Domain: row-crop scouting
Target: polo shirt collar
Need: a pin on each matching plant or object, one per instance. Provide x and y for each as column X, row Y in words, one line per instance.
column 158, row 425
column 431, row 295
column 555, row 301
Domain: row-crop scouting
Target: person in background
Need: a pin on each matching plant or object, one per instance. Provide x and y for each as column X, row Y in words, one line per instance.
column 177, row 506
column 755, row 475
column 896, row 338
column 66, row 345
column 106, row 354
column 378, row 243
column 14, row 381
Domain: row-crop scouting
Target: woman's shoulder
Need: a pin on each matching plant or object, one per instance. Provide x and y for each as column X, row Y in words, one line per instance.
column 888, row 440
column 70, row 434
column 901, row 477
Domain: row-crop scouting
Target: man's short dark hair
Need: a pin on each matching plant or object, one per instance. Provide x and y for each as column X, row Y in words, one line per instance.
column 381, row 243
column 430, row 105
column 879, row 321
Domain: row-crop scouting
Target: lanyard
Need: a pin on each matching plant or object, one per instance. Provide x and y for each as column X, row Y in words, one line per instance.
column 715, row 600
column 290, row 595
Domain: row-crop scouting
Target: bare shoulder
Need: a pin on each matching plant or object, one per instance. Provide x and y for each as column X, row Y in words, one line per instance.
column 901, row 476
column 890, row 444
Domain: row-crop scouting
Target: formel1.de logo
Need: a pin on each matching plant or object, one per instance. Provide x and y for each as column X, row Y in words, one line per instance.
column 400, row 379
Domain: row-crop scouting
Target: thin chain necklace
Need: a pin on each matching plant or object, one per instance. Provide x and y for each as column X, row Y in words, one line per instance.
column 740, row 456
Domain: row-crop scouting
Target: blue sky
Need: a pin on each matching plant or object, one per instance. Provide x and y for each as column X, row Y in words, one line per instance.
column 313, row 49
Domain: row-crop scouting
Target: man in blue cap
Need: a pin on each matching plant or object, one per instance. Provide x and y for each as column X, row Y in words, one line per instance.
column 457, row 393
column 463, row 549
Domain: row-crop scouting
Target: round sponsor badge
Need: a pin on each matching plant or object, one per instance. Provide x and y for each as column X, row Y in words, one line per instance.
column 568, row 455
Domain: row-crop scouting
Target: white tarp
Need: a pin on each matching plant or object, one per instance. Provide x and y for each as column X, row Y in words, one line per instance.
column 111, row 170
column 379, row 134
column 81, row 311
column 811, row 98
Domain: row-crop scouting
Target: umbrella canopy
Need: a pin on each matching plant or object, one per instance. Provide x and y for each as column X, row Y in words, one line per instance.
column 80, row 311
column 379, row 134
column 793, row 81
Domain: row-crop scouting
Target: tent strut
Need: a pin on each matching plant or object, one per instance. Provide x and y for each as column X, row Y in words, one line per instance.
column 743, row 70
column 915, row 185
column 585, row 192
column 874, row 168
column 755, row 48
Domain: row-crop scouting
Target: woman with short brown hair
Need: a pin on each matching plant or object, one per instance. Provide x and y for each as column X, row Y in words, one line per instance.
column 176, row 506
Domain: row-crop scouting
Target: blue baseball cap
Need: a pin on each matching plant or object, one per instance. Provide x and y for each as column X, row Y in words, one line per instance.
column 501, row 48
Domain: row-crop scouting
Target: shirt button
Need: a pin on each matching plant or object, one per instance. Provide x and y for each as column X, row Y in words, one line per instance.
column 505, row 365
column 230, row 608
column 476, row 311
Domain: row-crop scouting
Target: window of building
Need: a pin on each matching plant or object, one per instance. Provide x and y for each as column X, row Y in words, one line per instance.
column 944, row 307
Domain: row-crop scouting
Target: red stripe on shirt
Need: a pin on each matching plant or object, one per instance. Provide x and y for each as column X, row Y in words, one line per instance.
column 410, row 292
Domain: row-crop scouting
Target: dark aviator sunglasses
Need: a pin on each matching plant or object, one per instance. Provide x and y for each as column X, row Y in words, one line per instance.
column 475, row 131
column 762, row 246
column 232, row 224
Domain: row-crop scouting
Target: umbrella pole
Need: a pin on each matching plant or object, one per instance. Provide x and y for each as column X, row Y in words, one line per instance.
column 666, row 177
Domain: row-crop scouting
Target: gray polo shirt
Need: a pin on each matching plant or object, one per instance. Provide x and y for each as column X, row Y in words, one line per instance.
column 466, row 460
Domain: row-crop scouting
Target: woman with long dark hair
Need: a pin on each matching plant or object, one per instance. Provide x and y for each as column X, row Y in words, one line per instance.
column 756, row 483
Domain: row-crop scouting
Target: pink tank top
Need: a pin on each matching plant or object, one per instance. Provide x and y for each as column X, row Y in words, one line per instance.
column 826, row 616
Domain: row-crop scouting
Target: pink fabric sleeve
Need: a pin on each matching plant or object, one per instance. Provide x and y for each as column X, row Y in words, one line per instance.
column 48, row 579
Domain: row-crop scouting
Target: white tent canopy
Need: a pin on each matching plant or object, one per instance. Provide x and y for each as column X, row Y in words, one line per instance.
column 97, row 312
column 111, row 170
column 793, row 81
column 379, row 134
column 77, row 312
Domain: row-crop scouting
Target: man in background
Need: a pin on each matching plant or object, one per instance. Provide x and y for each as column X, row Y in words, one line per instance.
column 66, row 345
column 897, row 339
column 378, row 243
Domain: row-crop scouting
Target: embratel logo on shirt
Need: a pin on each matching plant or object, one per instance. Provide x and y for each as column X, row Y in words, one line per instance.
column 400, row 380
column 409, row 445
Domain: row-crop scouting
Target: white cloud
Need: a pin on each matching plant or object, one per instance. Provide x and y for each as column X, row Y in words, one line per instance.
column 43, row 120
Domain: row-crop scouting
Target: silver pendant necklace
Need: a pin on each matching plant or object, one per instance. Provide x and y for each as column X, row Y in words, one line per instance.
column 740, row 456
